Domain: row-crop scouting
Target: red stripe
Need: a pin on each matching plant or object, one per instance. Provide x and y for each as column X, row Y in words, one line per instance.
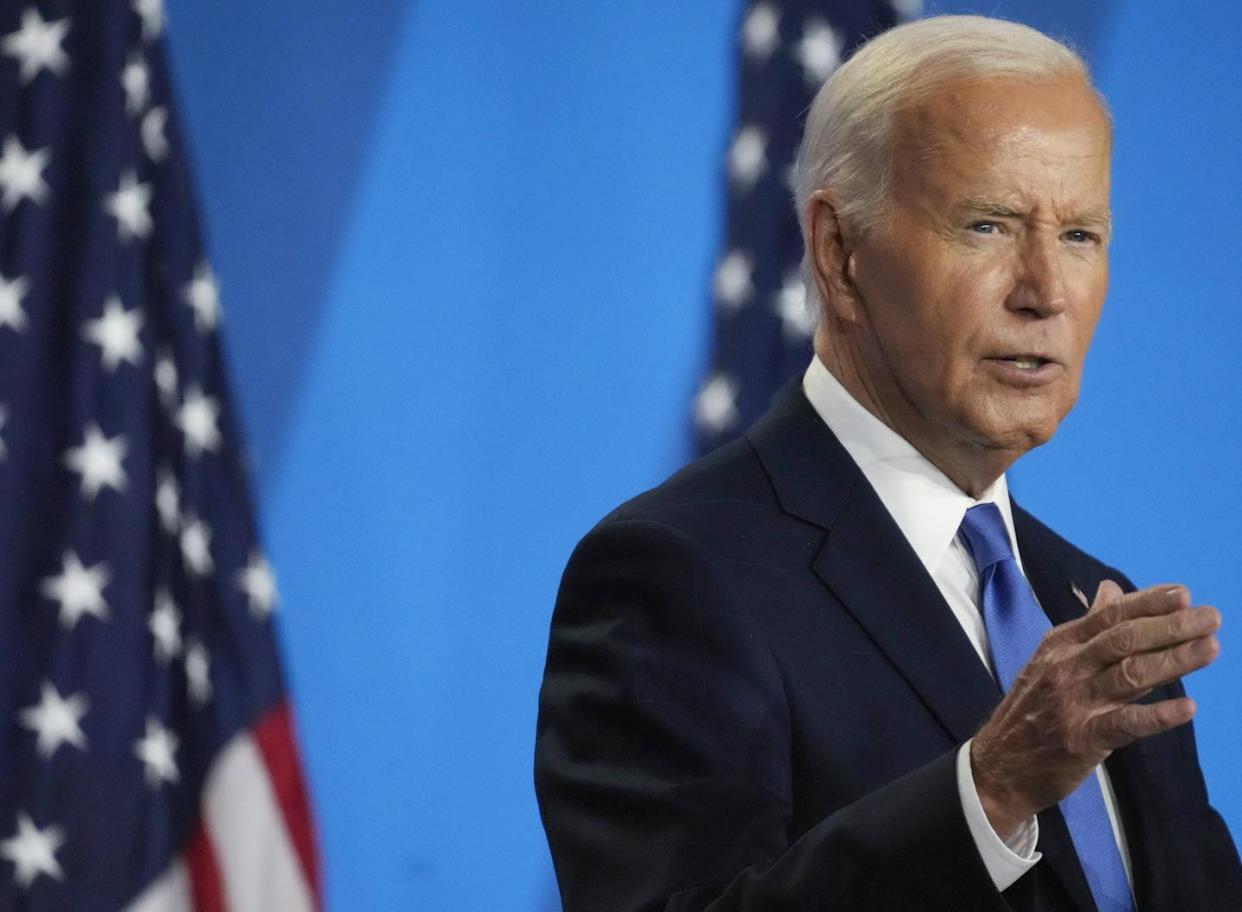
column 206, row 888
column 274, row 736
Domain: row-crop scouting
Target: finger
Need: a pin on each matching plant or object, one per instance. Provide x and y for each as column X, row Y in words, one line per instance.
column 1109, row 611
column 1137, row 675
column 1107, row 591
column 1120, row 727
column 1149, row 634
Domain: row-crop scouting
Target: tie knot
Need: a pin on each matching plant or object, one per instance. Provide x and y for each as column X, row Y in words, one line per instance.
column 986, row 538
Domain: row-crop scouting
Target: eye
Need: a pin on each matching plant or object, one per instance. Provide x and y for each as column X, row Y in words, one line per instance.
column 984, row 227
column 1079, row 236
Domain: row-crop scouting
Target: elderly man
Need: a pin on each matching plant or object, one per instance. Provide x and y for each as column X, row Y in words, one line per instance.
column 832, row 665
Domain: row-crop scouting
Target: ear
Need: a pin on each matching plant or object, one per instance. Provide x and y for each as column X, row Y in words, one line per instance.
column 832, row 262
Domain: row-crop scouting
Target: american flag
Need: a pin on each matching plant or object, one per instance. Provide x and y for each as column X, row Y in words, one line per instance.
column 761, row 330
column 148, row 760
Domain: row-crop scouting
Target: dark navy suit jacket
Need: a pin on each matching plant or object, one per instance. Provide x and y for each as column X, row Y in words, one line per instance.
column 754, row 696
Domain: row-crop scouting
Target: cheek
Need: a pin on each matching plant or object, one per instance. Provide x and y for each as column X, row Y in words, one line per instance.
column 964, row 326
column 1088, row 317
column 969, row 288
column 1088, row 287
column 932, row 314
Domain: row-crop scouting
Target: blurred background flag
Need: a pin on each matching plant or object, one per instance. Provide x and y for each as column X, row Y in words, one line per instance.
column 761, row 332
column 148, row 760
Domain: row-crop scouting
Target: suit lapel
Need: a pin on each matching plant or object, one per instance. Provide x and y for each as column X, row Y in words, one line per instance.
column 872, row 570
column 870, row 567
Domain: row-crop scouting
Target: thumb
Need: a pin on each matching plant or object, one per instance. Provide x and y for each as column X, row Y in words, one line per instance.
column 1108, row 592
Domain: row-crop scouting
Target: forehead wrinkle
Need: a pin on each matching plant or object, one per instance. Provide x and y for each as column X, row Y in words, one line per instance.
column 1008, row 161
column 963, row 143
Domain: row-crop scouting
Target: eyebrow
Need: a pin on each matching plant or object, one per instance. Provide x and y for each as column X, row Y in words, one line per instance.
column 987, row 207
column 1095, row 217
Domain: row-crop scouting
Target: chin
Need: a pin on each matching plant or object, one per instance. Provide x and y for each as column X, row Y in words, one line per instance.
column 1020, row 420
column 1016, row 433
column 1020, row 438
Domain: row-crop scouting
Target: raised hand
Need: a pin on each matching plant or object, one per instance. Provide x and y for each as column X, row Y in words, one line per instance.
column 1074, row 702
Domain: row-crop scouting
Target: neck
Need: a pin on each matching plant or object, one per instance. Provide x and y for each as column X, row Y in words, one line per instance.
column 972, row 467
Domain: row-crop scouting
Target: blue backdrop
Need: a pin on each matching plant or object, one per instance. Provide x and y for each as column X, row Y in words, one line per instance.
column 464, row 250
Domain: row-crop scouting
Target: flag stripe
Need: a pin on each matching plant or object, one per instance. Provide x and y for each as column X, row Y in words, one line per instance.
column 205, row 884
column 275, row 739
column 171, row 892
column 260, row 868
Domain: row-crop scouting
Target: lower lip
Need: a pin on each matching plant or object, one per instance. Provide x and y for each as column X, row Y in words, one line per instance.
column 1023, row 377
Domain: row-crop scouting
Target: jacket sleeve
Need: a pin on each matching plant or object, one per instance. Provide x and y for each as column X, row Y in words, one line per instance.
column 1200, row 843
column 662, row 759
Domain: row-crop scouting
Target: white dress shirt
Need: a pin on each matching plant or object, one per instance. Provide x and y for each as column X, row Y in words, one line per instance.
column 928, row 508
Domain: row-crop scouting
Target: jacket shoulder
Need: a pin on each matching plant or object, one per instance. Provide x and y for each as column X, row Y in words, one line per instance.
column 721, row 507
column 727, row 480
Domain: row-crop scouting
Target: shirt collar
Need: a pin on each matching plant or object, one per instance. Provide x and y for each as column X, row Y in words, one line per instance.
column 926, row 505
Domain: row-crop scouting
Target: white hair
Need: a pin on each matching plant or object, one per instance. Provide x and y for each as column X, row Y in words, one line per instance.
column 848, row 143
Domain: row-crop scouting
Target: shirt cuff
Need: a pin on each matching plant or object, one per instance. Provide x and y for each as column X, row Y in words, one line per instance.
column 1006, row 860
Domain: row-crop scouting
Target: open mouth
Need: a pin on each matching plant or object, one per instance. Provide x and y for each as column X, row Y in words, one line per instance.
column 1025, row 362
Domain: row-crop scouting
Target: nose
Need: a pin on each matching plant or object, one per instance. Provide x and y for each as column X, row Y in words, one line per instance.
column 1039, row 288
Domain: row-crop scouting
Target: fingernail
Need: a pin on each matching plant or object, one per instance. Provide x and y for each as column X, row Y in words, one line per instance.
column 1207, row 647
column 1176, row 595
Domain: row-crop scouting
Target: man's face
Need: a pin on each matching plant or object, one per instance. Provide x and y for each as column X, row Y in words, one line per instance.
column 978, row 294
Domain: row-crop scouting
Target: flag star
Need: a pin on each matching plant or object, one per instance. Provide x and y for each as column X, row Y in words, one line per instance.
column 55, row 719
column 715, row 408
column 796, row 319
column 259, row 584
column 152, row 130
column 908, row 9
column 819, row 51
column 152, row 13
column 732, row 282
column 11, row 293
column 157, row 750
column 37, row 44
column 748, row 158
column 79, row 590
column 202, row 293
column 166, row 378
column 129, row 205
column 21, row 173
column 33, row 851
column 198, row 673
column 196, row 546
column 760, row 31
column 168, row 502
column 116, row 334
column 136, row 81
column 98, row 461
column 164, row 623
column 197, row 419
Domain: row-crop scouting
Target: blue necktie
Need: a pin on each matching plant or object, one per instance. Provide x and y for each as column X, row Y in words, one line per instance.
column 1015, row 625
